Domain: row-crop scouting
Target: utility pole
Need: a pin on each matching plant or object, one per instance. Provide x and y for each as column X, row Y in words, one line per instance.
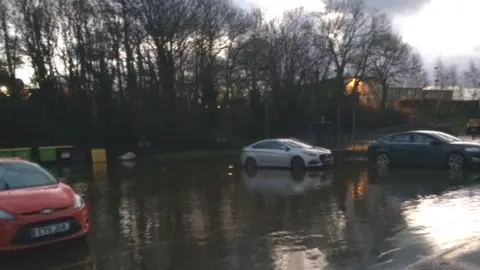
column 266, row 97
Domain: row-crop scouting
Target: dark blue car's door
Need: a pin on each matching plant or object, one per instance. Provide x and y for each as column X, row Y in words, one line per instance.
column 425, row 153
column 401, row 148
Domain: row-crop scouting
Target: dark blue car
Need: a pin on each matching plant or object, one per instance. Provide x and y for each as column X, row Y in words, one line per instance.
column 425, row 148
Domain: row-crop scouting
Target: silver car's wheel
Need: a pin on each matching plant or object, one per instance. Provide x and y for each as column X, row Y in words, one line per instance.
column 250, row 164
column 383, row 160
column 455, row 161
column 297, row 163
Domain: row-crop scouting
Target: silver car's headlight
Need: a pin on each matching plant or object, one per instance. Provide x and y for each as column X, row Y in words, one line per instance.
column 79, row 202
column 310, row 154
column 472, row 149
column 6, row 216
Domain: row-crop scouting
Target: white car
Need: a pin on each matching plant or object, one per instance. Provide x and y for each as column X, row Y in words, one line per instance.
column 286, row 153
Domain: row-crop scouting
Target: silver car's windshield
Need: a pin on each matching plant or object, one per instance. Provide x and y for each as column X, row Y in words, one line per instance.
column 447, row 137
column 297, row 144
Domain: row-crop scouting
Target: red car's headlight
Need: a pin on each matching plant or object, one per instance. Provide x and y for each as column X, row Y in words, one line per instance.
column 79, row 202
column 6, row 216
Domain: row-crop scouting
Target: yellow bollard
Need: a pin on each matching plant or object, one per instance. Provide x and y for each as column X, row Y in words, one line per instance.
column 99, row 155
column 99, row 171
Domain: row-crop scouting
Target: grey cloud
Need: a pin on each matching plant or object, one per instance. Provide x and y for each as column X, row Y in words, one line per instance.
column 400, row 7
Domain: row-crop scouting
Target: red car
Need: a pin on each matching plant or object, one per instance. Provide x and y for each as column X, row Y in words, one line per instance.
column 36, row 208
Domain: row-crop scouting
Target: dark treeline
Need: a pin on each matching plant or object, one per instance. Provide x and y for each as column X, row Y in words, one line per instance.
column 181, row 73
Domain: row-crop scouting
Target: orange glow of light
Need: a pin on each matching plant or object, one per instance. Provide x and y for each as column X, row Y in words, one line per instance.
column 363, row 91
column 359, row 187
column 362, row 88
column 351, row 84
column 358, row 147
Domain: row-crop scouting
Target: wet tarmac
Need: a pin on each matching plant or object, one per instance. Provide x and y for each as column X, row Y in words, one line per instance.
column 212, row 215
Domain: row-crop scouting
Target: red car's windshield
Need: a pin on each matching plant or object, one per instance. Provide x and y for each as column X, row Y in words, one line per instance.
column 17, row 175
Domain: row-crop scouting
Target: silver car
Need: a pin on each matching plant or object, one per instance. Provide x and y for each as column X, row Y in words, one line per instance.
column 286, row 153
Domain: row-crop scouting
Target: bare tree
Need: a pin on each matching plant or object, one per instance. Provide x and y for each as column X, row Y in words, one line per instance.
column 343, row 30
column 390, row 62
column 440, row 76
column 416, row 75
column 9, row 33
column 446, row 77
column 452, row 81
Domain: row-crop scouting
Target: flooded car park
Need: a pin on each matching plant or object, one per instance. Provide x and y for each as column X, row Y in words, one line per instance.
column 212, row 214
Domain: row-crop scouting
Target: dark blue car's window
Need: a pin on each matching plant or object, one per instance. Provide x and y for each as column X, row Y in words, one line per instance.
column 401, row 138
column 447, row 137
column 422, row 138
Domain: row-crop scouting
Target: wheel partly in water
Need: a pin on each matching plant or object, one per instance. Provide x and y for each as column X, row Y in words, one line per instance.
column 456, row 161
column 383, row 160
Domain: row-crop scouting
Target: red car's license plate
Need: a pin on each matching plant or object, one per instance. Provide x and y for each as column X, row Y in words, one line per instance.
column 49, row 230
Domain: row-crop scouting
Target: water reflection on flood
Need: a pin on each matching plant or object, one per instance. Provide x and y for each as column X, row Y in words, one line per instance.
column 213, row 215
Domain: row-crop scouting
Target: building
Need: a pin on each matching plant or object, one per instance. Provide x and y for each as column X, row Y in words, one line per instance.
column 370, row 92
column 398, row 94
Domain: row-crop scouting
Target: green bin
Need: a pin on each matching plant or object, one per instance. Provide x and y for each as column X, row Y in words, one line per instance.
column 25, row 153
column 48, row 153
column 6, row 153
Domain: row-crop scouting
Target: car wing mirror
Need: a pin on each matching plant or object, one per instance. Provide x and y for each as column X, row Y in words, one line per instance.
column 435, row 143
column 285, row 148
column 62, row 179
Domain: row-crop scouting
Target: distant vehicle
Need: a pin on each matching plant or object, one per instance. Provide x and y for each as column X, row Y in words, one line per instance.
column 425, row 148
column 36, row 208
column 284, row 182
column 287, row 153
column 473, row 126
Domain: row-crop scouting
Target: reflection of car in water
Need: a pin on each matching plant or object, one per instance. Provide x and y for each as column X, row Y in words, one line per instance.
column 408, row 182
column 285, row 182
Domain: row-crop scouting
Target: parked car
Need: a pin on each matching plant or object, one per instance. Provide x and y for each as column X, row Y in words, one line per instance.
column 425, row 148
column 287, row 153
column 36, row 208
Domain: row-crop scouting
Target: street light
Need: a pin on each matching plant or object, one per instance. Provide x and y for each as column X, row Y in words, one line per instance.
column 3, row 89
column 266, row 96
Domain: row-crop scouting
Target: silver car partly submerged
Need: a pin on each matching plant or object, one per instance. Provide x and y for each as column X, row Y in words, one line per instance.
column 285, row 153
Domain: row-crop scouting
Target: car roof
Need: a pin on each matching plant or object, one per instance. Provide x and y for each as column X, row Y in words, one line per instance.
column 423, row 131
column 418, row 131
column 12, row 159
column 430, row 132
column 272, row 140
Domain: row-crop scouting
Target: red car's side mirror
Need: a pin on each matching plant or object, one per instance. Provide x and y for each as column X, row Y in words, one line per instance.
column 62, row 179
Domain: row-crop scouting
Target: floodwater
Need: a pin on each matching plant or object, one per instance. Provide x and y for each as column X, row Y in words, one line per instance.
column 212, row 215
